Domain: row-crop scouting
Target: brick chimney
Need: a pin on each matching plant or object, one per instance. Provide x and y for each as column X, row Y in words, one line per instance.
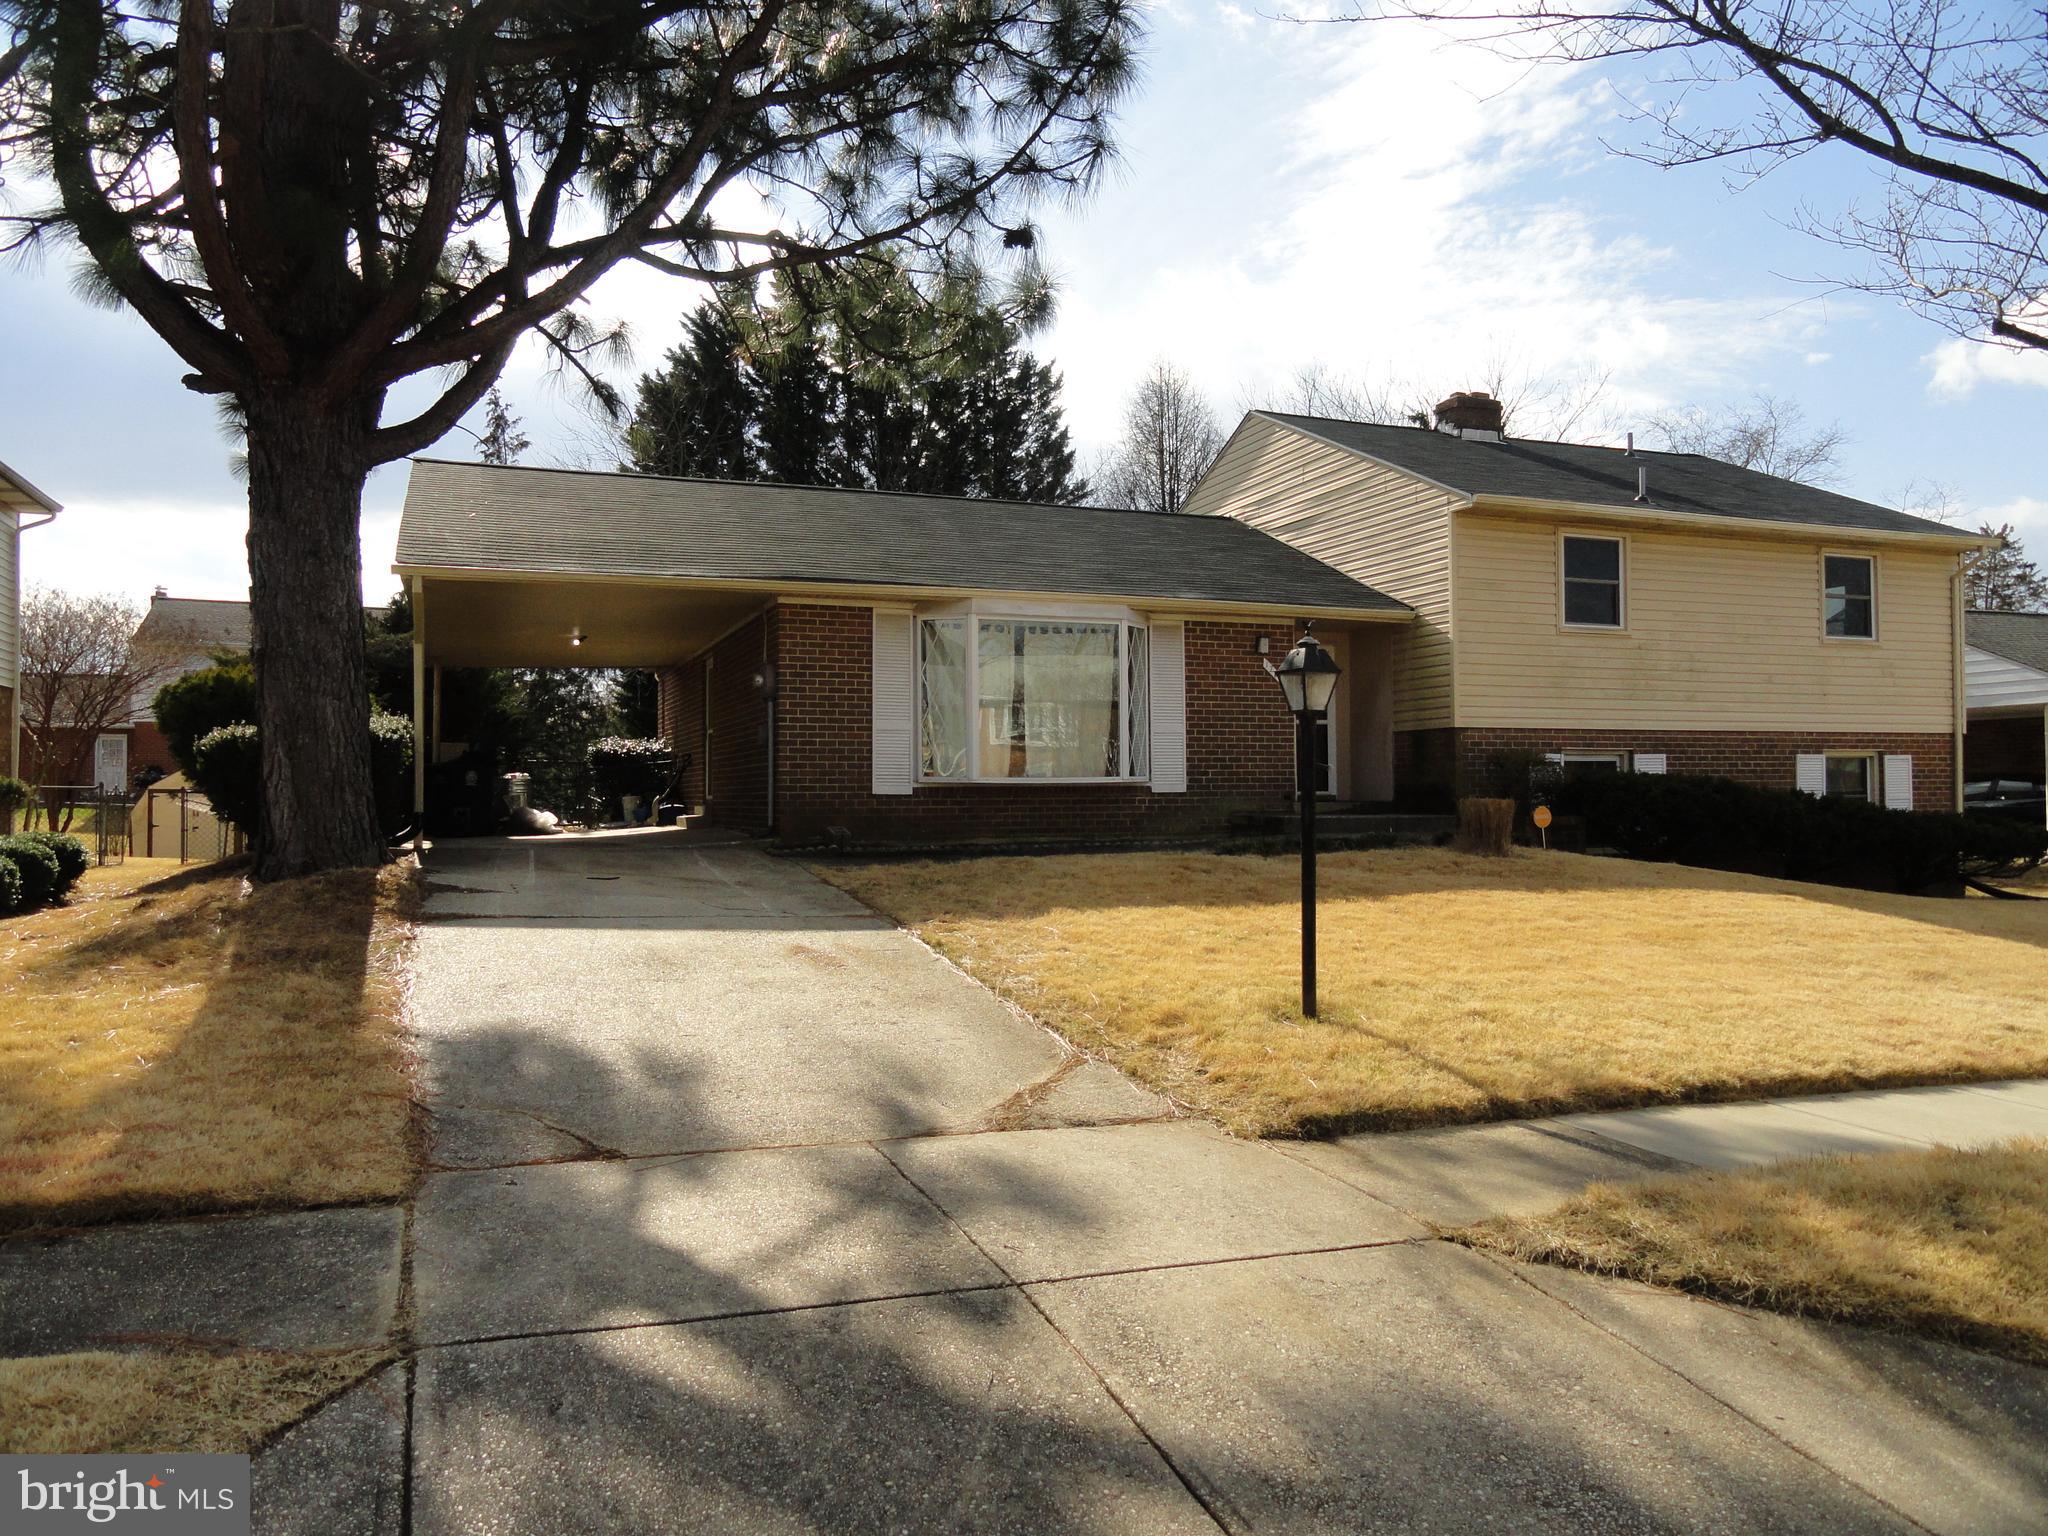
column 1470, row 412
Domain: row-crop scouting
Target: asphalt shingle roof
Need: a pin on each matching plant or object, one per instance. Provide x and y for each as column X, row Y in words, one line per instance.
column 576, row 522
column 1606, row 477
column 2020, row 637
column 207, row 624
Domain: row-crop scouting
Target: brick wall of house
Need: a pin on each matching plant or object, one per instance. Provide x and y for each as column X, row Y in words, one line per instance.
column 2004, row 749
column 149, row 748
column 1426, row 768
column 735, row 779
column 1762, row 758
column 1239, row 741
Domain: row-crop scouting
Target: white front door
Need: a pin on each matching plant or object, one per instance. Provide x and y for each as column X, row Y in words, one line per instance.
column 110, row 763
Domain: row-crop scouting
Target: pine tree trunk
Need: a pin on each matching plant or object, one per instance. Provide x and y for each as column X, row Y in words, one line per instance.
column 306, row 473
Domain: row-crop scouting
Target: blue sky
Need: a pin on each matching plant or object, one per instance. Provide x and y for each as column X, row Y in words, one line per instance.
column 1396, row 208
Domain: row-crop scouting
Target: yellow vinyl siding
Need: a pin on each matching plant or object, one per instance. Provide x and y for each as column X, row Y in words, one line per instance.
column 1723, row 633
column 1386, row 529
column 10, row 598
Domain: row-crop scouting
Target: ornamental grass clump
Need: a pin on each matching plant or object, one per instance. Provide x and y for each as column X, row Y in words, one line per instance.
column 1486, row 827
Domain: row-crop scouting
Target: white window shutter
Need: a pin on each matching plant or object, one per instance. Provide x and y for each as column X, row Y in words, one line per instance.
column 1810, row 772
column 894, row 725
column 1169, row 707
column 1898, row 782
column 1650, row 762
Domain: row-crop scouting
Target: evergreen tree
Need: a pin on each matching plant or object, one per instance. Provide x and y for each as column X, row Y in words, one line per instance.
column 2005, row 579
column 887, row 393
column 502, row 442
column 694, row 416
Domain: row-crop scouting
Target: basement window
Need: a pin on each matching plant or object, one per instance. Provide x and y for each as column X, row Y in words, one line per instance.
column 1592, row 582
column 1032, row 698
column 1853, row 777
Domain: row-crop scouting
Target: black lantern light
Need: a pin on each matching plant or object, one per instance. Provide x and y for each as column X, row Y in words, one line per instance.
column 1308, row 677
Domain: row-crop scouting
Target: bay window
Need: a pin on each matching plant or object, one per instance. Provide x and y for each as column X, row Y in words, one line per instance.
column 1017, row 696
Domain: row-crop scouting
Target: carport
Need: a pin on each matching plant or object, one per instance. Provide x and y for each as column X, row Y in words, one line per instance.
column 2005, row 668
column 501, row 618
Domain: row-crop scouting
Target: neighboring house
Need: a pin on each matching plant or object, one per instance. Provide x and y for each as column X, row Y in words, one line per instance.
column 904, row 668
column 199, row 628
column 2006, row 665
column 22, row 507
column 1624, row 608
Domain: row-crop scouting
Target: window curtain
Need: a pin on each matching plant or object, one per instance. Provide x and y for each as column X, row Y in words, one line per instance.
column 1138, row 669
column 1048, row 704
column 942, row 698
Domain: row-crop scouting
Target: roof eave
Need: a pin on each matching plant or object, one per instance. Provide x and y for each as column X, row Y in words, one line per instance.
column 878, row 591
column 1353, row 449
column 1724, row 523
column 23, row 485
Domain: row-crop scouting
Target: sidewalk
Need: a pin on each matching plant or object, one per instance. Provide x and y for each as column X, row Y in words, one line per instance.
column 1468, row 1173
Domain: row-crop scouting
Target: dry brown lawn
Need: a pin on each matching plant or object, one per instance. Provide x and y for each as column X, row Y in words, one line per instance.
column 1459, row 988
column 190, row 1401
column 1943, row 1242
column 178, row 1041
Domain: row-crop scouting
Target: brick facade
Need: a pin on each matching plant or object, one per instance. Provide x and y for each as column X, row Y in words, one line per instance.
column 1239, row 746
column 1762, row 758
column 2010, row 748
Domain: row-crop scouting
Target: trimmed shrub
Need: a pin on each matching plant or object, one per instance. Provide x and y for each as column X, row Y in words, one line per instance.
column 196, row 705
column 41, row 877
column 14, row 794
column 630, row 765
column 391, row 770
column 10, row 887
column 228, row 769
column 72, row 857
column 1717, row 823
column 1486, row 827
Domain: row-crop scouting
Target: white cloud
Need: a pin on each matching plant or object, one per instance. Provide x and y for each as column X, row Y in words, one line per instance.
column 1393, row 234
column 1958, row 367
column 1235, row 17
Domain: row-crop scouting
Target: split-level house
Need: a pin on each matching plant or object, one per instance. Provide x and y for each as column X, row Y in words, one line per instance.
column 1618, row 607
column 875, row 667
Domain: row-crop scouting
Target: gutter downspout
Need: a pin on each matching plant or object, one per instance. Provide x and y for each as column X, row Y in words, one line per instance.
column 14, row 704
column 419, row 718
column 1964, row 563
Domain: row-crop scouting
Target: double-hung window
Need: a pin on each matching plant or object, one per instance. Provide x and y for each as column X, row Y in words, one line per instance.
column 1005, row 697
column 1849, row 596
column 1852, row 776
column 1593, row 582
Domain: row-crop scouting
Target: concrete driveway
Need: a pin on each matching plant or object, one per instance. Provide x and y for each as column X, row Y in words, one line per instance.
column 752, row 1215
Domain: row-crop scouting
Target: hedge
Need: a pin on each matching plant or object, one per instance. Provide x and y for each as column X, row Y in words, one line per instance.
column 1715, row 823
column 228, row 770
column 72, row 858
column 190, row 708
column 42, row 878
column 10, row 886
column 630, row 765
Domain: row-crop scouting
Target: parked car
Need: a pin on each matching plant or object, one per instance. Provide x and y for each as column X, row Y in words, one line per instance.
column 2020, row 799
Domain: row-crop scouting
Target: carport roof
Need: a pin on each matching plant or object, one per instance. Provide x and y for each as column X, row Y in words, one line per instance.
column 2020, row 637
column 475, row 519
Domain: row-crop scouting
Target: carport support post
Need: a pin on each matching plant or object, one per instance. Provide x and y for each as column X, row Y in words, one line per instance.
column 419, row 716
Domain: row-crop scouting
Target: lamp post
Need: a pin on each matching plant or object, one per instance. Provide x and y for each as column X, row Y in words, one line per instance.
column 1308, row 677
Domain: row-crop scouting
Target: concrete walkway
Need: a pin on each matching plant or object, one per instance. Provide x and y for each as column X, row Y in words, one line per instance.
column 749, row 1214
column 1466, row 1173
